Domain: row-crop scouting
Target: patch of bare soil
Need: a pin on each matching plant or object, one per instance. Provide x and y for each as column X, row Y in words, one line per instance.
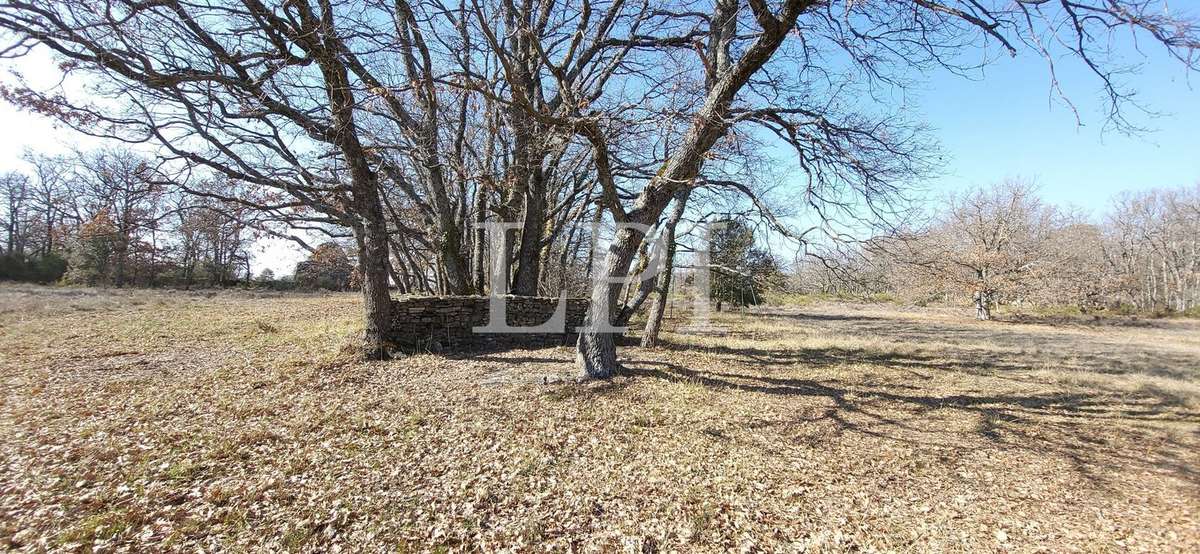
column 231, row 423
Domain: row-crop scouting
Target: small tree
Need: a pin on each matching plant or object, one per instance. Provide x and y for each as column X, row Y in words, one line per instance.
column 92, row 251
column 327, row 268
column 740, row 271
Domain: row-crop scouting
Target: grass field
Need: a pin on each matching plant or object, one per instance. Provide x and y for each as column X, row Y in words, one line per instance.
column 232, row 421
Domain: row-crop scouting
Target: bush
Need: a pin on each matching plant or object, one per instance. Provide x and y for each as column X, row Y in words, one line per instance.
column 39, row 269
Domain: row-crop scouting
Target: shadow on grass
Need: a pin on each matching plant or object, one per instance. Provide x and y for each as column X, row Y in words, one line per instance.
column 1055, row 423
column 1093, row 428
column 1083, row 321
column 963, row 349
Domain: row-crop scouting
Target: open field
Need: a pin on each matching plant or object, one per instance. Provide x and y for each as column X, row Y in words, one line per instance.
column 155, row 420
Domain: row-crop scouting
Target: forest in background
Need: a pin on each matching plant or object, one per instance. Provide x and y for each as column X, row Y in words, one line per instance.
column 101, row 218
column 1005, row 245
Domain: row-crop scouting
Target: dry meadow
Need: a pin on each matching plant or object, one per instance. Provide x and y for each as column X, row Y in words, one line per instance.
column 152, row 421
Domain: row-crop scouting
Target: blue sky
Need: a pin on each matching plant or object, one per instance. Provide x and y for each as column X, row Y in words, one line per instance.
column 1006, row 124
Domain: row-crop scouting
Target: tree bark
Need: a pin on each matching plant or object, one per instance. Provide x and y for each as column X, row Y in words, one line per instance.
column 525, row 283
column 371, row 237
column 663, row 285
column 596, row 352
column 983, row 307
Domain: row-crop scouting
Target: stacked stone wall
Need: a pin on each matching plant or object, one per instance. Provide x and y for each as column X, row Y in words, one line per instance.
column 446, row 323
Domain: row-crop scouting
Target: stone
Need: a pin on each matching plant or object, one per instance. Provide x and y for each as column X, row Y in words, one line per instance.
column 446, row 323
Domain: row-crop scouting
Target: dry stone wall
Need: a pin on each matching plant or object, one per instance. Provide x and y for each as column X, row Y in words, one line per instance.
column 446, row 323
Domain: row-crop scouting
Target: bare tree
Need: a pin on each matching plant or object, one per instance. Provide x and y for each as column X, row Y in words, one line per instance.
column 14, row 192
column 1152, row 247
column 848, row 157
column 991, row 243
column 262, row 95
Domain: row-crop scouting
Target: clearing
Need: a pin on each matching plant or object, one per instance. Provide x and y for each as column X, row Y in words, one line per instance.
column 231, row 421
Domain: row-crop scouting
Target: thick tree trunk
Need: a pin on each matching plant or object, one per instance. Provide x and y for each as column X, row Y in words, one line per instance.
column 596, row 351
column 371, row 237
column 479, row 248
column 453, row 263
column 370, row 229
column 529, row 251
column 529, row 155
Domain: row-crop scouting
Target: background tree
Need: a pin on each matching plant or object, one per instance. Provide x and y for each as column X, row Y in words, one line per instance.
column 740, row 271
column 93, row 250
column 1006, row 245
column 1151, row 248
column 991, row 243
column 266, row 277
column 327, row 268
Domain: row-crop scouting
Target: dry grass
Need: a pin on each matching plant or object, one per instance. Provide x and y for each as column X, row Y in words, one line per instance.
column 160, row 421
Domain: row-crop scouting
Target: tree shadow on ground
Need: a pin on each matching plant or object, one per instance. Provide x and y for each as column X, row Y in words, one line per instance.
column 1045, row 423
column 977, row 349
column 1045, row 392
column 962, row 360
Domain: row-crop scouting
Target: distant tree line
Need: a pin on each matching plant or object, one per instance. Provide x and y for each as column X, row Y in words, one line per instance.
column 106, row 218
column 1004, row 245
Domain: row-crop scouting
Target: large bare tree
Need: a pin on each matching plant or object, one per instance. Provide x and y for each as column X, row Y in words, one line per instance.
column 769, row 65
column 266, row 95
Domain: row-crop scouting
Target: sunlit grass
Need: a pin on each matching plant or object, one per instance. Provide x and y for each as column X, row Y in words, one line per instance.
column 233, row 421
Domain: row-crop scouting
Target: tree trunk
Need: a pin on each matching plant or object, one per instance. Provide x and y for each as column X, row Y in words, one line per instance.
column 644, row 288
column 569, row 250
column 983, row 306
column 119, row 270
column 393, row 274
column 663, row 286
column 529, row 268
column 377, row 300
column 658, row 308
column 479, row 248
column 370, row 230
column 454, row 265
column 596, row 352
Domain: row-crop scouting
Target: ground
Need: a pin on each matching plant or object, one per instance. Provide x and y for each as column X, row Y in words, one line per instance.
column 233, row 421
